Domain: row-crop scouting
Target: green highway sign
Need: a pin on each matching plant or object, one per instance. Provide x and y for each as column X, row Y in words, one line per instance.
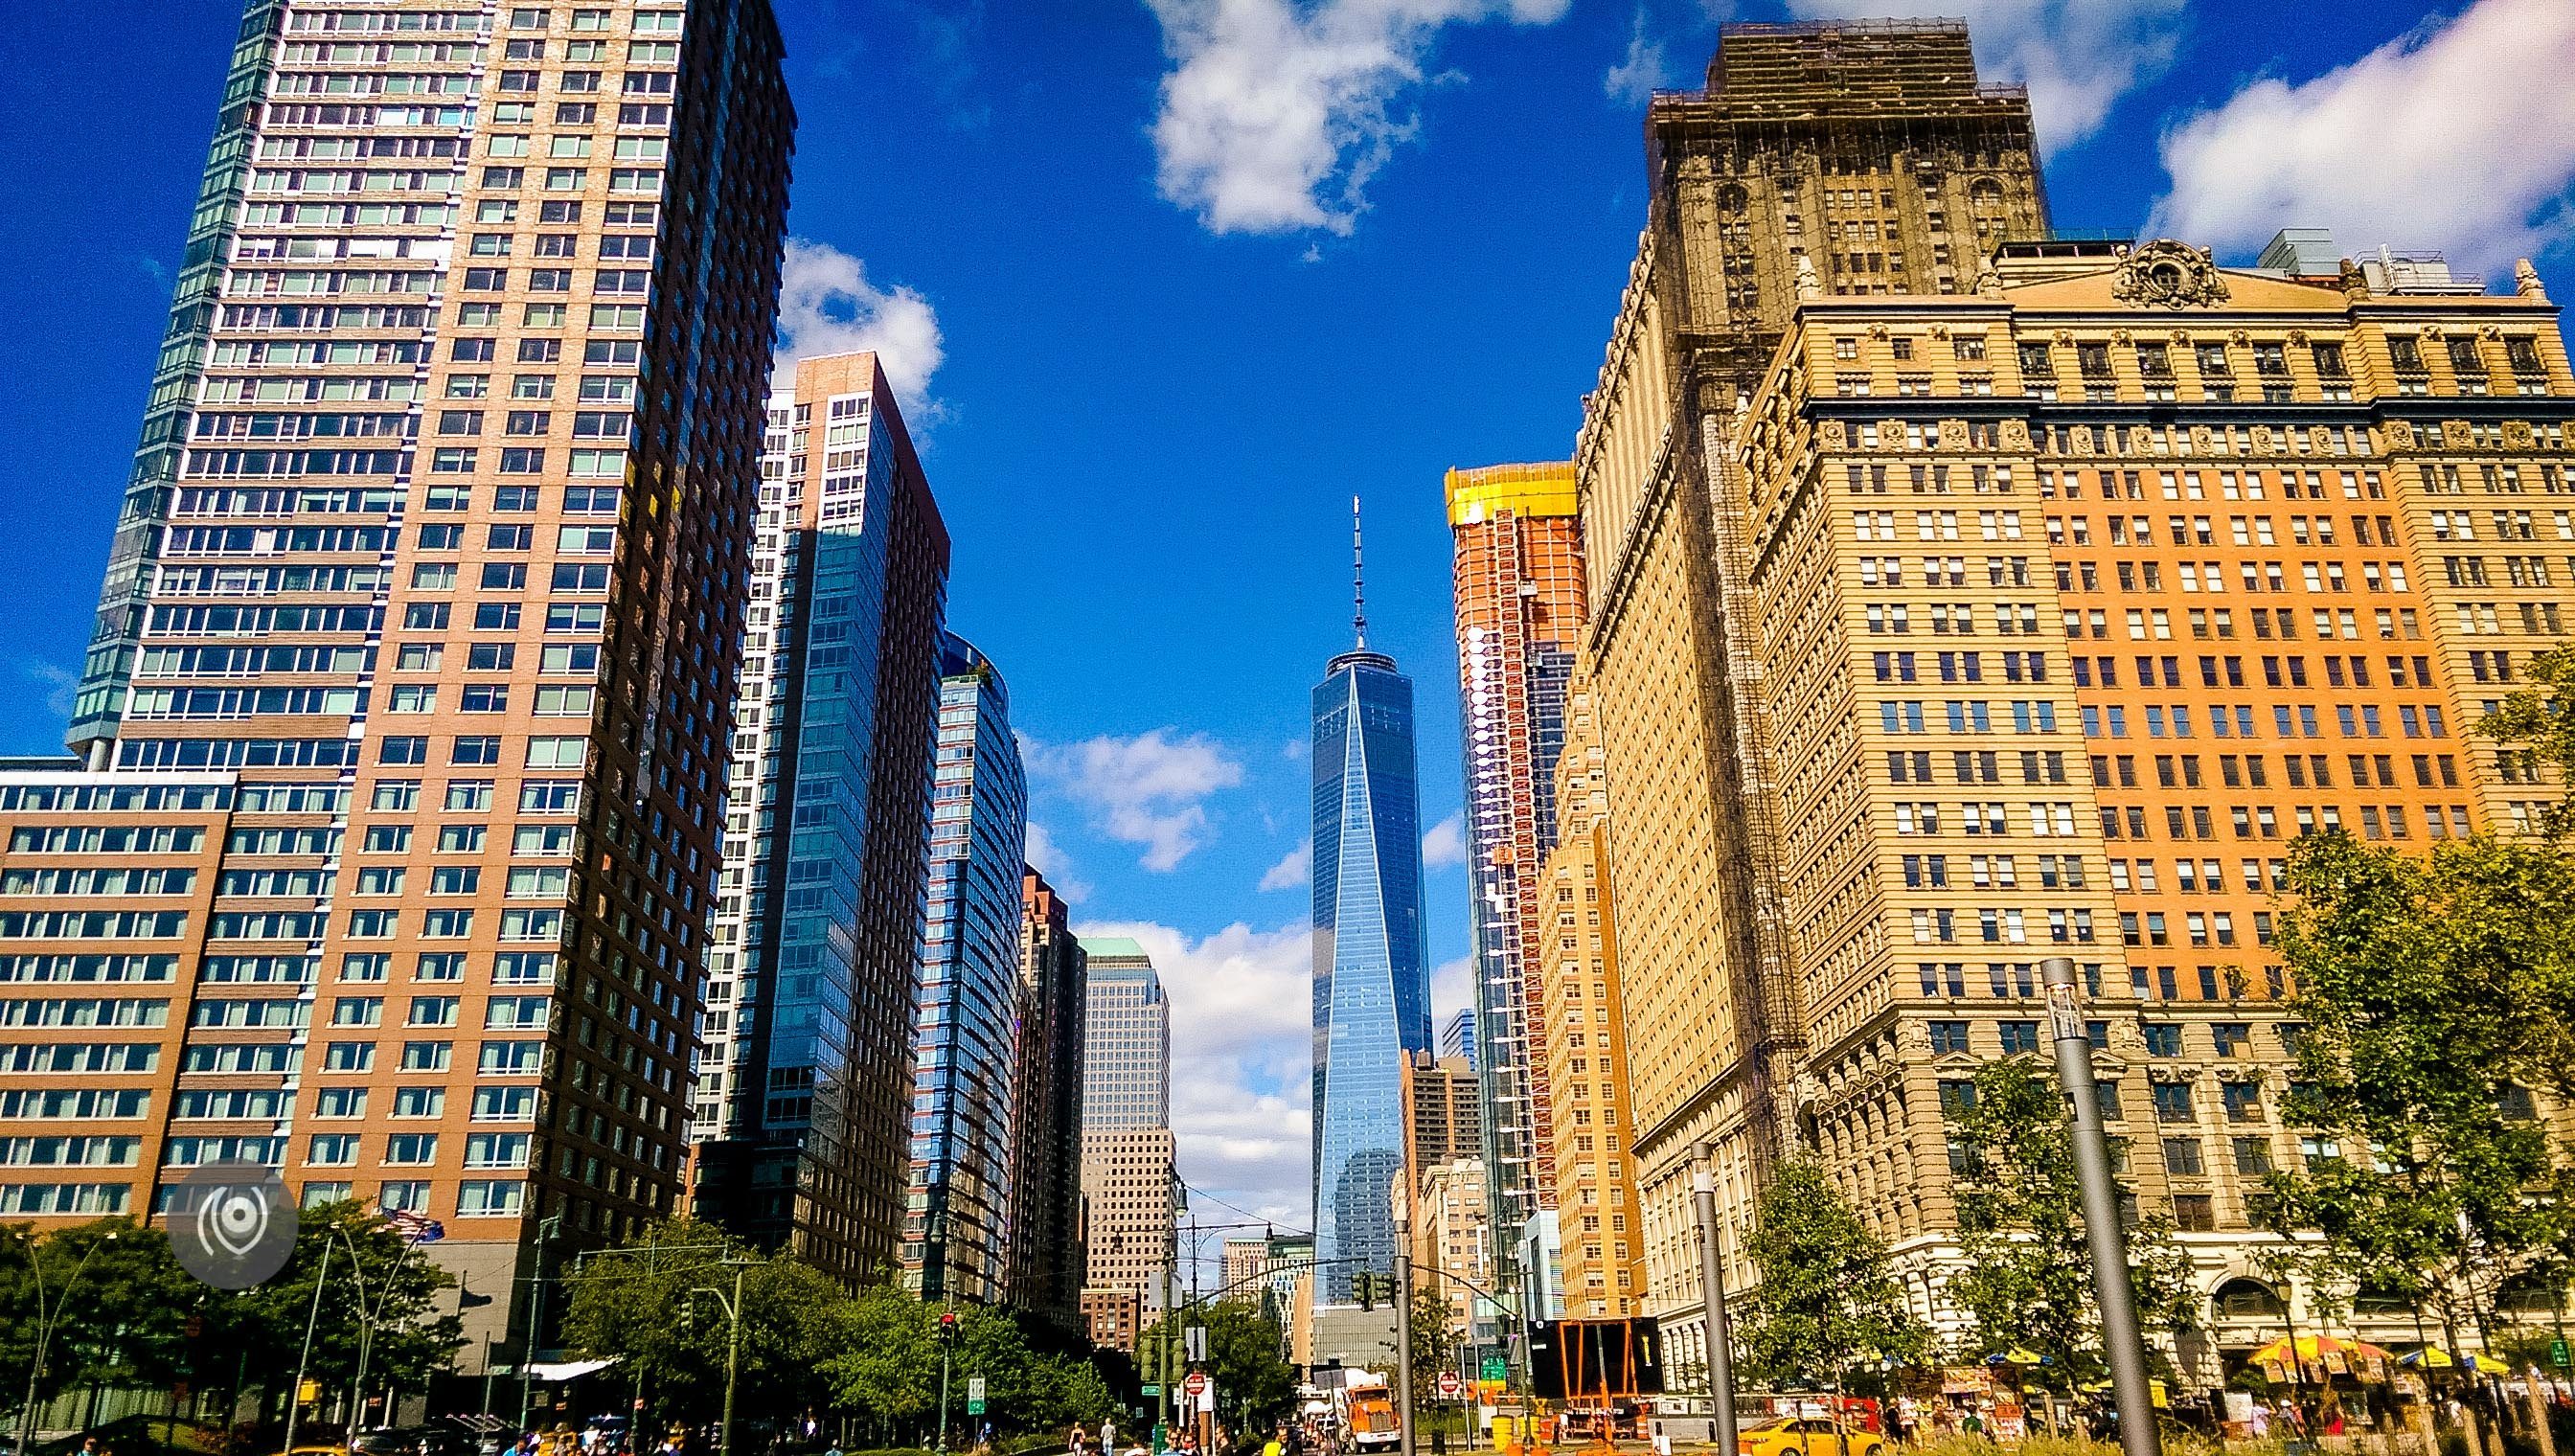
column 2557, row 1353
column 1496, row 1368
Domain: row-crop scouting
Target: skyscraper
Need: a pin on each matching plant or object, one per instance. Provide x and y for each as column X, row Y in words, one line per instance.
column 804, row 1082
column 1517, row 589
column 1046, row 1147
column 1458, row 1036
column 1127, row 1055
column 1582, row 1033
column 1443, row 1111
column 1130, row 1184
column 1371, row 983
column 1810, row 138
column 2153, row 568
column 416, row 730
column 965, row 1089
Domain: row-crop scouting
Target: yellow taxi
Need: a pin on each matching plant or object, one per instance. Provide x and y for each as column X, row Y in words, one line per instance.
column 1806, row 1436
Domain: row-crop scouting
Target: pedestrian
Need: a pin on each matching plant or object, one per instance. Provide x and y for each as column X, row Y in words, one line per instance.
column 1107, row 1436
column 1076, row 1440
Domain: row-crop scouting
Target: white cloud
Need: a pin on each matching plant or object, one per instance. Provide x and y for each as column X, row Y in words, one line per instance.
column 1242, row 1059
column 1048, row 858
column 1645, row 70
column 1277, row 111
column 2078, row 57
column 1446, row 844
column 62, row 685
column 825, row 304
column 2458, row 136
column 1149, row 789
column 1452, row 988
column 1293, row 868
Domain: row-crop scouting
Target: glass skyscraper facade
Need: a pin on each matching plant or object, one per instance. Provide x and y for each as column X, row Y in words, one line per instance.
column 807, row 1065
column 1372, row 983
column 957, row 1218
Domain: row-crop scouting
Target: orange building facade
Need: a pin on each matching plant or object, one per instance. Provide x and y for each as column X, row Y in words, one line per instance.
column 1518, row 579
column 2079, row 599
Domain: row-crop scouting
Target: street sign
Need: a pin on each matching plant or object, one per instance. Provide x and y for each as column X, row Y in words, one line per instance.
column 974, row 1395
column 1496, row 1368
column 1195, row 1385
column 1449, row 1385
column 2557, row 1353
column 1152, row 1392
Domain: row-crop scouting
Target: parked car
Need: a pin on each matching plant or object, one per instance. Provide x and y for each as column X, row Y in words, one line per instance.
column 1806, row 1436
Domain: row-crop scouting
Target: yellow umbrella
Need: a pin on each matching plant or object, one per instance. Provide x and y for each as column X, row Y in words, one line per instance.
column 2313, row 1348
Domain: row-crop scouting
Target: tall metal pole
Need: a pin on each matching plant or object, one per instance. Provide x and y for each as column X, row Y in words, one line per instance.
column 2120, row 1340
column 943, row 1354
column 295, row 1397
column 1404, row 1354
column 1711, row 1280
column 733, row 1365
column 44, row 1336
column 536, row 1317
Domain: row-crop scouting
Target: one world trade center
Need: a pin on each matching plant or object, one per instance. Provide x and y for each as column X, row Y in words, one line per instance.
column 1371, row 983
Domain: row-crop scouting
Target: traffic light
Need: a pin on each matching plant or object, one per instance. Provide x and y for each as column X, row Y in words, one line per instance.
column 948, row 1328
column 1373, row 1287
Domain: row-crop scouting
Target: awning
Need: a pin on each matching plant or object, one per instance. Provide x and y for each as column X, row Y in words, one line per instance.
column 568, row 1369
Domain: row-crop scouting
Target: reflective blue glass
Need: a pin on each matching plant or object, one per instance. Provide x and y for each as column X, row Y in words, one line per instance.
column 956, row 1214
column 1372, row 983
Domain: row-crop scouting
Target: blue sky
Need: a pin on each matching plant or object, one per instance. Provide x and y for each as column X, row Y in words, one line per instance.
column 1165, row 284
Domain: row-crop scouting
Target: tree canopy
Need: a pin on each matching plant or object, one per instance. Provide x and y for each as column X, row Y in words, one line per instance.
column 2028, row 1275
column 1827, row 1300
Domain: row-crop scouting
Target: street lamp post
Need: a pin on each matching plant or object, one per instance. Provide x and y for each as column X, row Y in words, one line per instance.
column 367, row 1321
column 2120, row 1340
column 1712, row 1275
column 294, row 1398
column 1404, row 1353
column 732, row 1348
column 46, row 1319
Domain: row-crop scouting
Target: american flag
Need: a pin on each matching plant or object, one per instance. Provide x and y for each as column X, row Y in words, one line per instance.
column 413, row 1226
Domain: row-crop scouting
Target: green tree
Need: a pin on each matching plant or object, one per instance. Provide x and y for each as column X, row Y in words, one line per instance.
column 883, row 1362
column 1827, row 1300
column 379, row 1290
column 121, row 1308
column 1430, row 1331
column 658, row 1304
column 1253, row 1382
column 2423, row 985
column 2028, row 1275
column 2538, row 723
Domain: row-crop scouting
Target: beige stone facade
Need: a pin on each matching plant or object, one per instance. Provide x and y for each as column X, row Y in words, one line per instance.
column 1583, row 1036
column 1129, row 1205
column 1892, row 177
column 2076, row 601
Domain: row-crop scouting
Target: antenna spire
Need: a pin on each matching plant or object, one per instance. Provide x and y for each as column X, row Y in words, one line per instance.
column 1358, row 578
